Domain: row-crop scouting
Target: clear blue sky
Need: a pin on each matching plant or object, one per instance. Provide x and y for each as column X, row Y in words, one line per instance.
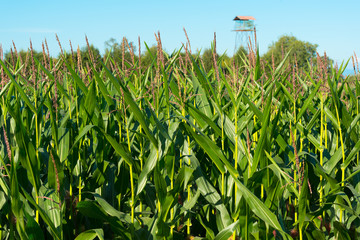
column 333, row 25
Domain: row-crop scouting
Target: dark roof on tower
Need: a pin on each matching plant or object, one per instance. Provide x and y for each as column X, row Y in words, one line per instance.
column 244, row 18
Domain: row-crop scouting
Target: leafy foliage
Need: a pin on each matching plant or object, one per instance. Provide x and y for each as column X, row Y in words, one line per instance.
column 109, row 149
column 304, row 51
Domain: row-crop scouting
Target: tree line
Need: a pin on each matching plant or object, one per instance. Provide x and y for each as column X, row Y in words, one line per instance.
column 125, row 54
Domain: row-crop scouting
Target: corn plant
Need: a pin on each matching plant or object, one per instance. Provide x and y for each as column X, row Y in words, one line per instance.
column 106, row 149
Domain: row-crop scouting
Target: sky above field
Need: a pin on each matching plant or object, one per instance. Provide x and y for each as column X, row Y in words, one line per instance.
column 333, row 25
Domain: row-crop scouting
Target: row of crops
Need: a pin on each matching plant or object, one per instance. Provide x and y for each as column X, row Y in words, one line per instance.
column 117, row 150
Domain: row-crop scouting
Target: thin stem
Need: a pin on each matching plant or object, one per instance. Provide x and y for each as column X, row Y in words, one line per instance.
column 321, row 150
column 132, row 194
column 132, row 204
column 236, row 162
column 343, row 156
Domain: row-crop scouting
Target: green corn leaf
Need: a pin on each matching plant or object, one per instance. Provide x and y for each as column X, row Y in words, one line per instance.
column 160, row 185
column 353, row 124
column 259, row 208
column 280, row 67
column 133, row 106
column 333, row 161
column 210, row 193
column 112, row 211
column 16, row 204
column 77, row 79
column 54, row 231
column 90, row 103
column 27, row 154
column 308, row 101
column 188, row 205
column 201, row 98
column 49, row 201
column 64, row 143
column 255, row 204
column 206, row 86
column 303, row 200
column 286, row 92
column 5, row 88
column 350, row 157
column 102, row 87
column 54, row 126
column 51, row 77
column 119, row 148
column 150, row 163
column 313, row 120
column 32, row 228
column 91, row 234
column 201, row 117
column 93, row 210
column 260, row 147
column 308, row 135
column 227, row 232
column 340, row 231
column 332, row 118
column 212, row 150
column 106, row 94
column 52, row 177
column 209, row 232
column 229, row 129
column 18, row 88
column 283, row 174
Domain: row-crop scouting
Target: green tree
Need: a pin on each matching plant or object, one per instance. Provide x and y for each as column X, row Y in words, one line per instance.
column 304, row 51
column 148, row 56
column 25, row 58
column 208, row 59
column 84, row 53
column 84, row 56
column 240, row 56
column 116, row 49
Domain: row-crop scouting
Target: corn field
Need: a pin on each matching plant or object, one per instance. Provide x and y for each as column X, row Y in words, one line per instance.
column 117, row 150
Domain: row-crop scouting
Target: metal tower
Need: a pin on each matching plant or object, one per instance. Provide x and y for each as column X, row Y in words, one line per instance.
column 245, row 31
